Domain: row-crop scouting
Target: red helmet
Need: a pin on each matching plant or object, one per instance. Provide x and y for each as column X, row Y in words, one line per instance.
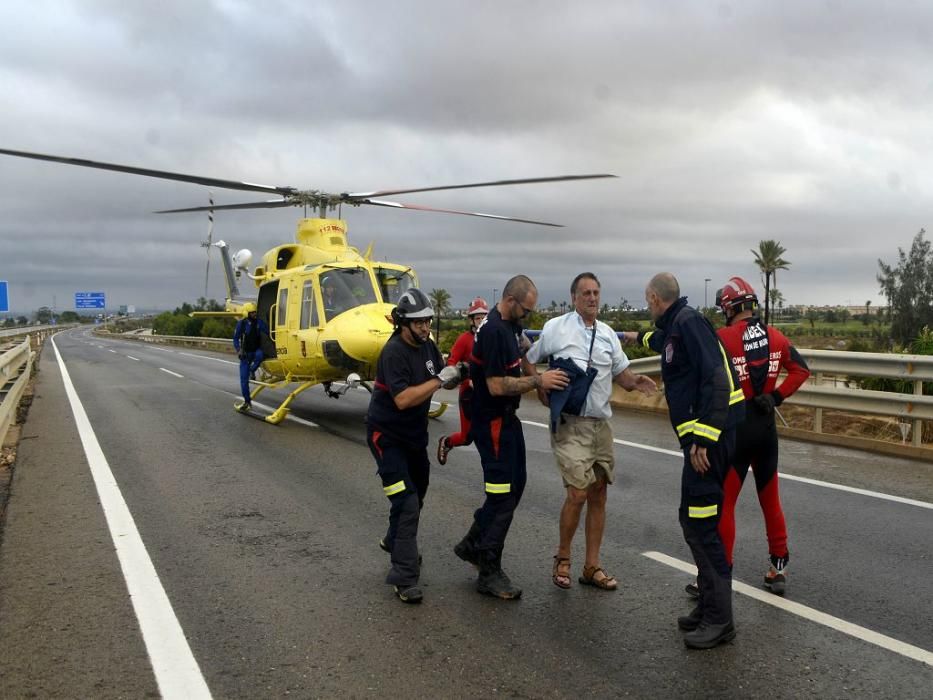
column 735, row 296
column 478, row 306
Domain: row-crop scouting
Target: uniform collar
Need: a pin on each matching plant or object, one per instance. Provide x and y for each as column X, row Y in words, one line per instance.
column 665, row 320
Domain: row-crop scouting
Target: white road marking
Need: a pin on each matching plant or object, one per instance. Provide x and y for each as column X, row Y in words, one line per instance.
column 808, row 613
column 204, row 357
column 176, row 670
column 163, row 350
column 537, row 425
column 133, row 358
column 302, row 421
column 288, row 416
column 113, row 351
column 789, row 477
column 174, row 374
column 862, row 492
column 650, row 448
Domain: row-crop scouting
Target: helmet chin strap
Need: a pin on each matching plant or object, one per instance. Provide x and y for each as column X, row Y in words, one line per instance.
column 414, row 336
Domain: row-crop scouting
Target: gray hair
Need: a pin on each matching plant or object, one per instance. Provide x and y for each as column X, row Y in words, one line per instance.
column 664, row 284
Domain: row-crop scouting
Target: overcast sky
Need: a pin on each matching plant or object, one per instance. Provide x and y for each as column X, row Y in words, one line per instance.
column 727, row 123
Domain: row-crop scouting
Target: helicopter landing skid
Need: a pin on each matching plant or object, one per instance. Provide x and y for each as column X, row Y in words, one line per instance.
column 250, row 413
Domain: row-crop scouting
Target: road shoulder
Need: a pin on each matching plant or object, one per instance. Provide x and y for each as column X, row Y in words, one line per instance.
column 68, row 625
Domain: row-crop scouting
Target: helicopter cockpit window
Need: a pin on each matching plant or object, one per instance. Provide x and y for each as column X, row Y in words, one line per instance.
column 283, row 258
column 393, row 283
column 344, row 289
column 308, row 308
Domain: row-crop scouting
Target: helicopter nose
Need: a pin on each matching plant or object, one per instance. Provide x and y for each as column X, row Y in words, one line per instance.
column 353, row 340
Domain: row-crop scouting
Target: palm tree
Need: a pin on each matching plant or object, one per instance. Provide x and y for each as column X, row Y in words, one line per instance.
column 440, row 300
column 769, row 261
column 776, row 299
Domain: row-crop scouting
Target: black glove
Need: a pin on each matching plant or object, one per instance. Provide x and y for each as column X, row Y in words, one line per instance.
column 241, row 354
column 464, row 368
column 764, row 403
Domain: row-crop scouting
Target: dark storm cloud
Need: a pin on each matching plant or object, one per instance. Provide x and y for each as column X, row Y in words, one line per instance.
column 727, row 123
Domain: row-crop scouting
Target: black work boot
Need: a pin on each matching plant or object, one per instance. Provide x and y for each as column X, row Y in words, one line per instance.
column 690, row 622
column 706, row 635
column 493, row 580
column 466, row 548
column 409, row 594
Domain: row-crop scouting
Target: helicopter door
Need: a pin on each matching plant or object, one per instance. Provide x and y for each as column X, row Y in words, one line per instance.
column 264, row 305
column 309, row 322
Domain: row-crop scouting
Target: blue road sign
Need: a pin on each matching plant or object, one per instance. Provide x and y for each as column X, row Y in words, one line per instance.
column 90, row 300
column 4, row 297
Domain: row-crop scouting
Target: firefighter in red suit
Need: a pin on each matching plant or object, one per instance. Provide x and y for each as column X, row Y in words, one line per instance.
column 460, row 352
column 758, row 353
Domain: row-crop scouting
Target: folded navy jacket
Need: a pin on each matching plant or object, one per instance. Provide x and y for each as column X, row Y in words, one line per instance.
column 572, row 398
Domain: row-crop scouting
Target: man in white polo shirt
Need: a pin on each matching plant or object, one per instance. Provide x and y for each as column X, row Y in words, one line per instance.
column 582, row 441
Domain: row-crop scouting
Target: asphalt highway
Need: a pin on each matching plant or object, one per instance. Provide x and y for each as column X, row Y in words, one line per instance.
column 243, row 561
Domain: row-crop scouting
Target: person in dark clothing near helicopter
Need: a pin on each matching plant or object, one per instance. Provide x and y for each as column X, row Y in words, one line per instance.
column 409, row 370
column 247, row 341
column 496, row 371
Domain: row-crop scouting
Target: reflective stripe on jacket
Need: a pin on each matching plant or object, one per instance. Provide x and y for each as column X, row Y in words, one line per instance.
column 700, row 384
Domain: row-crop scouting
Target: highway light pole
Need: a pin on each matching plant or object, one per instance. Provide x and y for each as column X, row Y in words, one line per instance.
column 706, row 292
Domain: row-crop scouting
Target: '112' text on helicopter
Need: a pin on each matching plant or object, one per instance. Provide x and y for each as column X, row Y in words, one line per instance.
column 327, row 305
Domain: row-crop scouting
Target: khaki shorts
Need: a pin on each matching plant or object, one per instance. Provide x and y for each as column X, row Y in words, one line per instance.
column 584, row 450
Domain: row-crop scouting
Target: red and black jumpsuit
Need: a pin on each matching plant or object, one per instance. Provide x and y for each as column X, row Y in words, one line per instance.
column 758, row 353
column 461, row 352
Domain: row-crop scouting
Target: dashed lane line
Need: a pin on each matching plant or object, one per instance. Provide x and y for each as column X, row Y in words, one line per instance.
column 294, row 419
column 808, row 613
column 205, row 357
column 788, row 477
column 176, row 670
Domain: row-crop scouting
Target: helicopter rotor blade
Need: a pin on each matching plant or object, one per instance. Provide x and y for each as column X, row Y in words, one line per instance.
column 399, row 205
column 496, row 183
column 269, row 204
column 147, row 172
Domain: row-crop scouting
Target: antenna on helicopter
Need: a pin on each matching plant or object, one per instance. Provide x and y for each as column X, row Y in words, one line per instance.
column 207, row 244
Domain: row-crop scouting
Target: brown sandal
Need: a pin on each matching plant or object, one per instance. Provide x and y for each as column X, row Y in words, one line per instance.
column 607, row 582
column 560, row 574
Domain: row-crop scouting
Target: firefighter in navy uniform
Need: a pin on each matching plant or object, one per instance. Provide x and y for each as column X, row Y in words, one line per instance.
column 247, row 341
column 758, row 353
column 705, row 404
column 495, row 368
column 410, row 369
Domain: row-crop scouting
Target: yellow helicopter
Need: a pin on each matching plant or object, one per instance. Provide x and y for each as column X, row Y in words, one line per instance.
column 328, row 307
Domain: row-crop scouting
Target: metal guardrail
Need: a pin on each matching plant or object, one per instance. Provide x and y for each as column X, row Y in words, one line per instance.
column 15, row 367
column 27, row 330
column 829, row 368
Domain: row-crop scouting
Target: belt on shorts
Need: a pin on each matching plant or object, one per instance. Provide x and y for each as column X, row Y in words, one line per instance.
column 573, row 415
